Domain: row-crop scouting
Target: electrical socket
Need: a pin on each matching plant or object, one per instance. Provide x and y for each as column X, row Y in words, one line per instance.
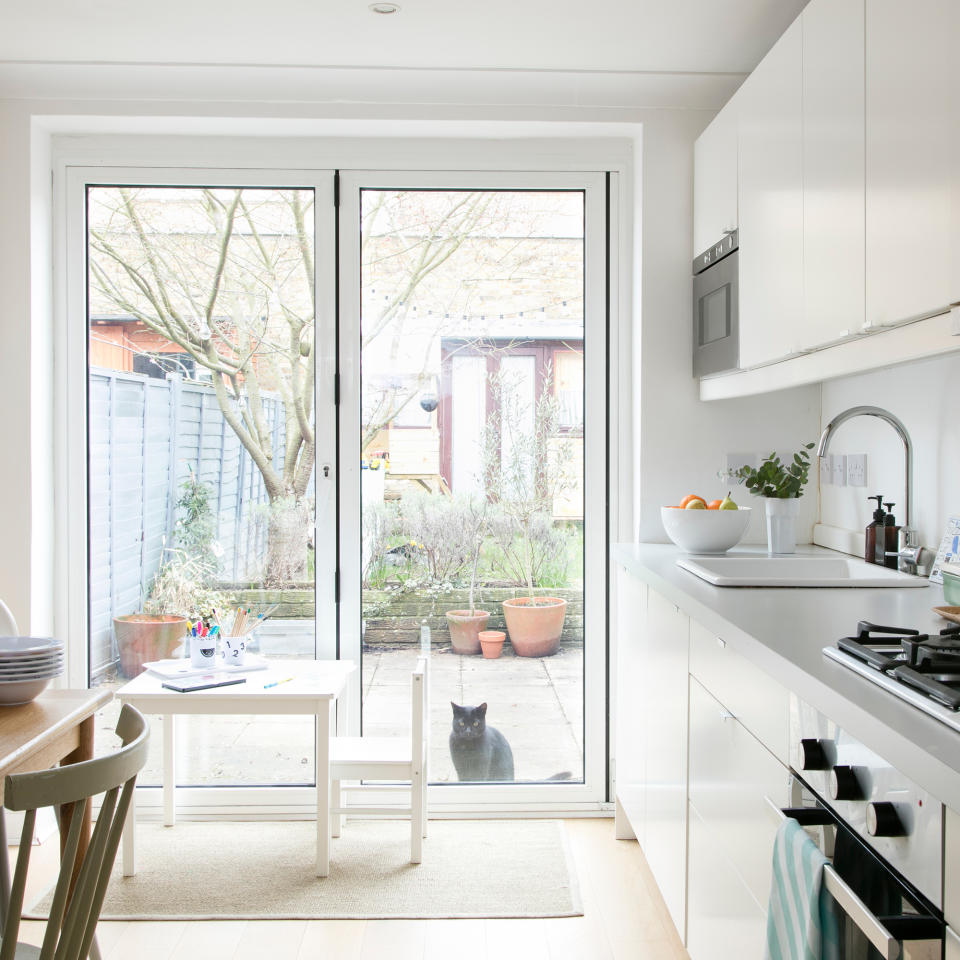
column 826, row 477
column 838, row 469
column 856, row 469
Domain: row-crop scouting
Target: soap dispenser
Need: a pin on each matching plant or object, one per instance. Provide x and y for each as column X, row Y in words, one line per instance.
column 875, row 533
column 891, row 538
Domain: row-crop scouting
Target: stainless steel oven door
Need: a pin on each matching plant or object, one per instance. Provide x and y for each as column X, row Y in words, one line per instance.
column 716, row 329
column 879, row 913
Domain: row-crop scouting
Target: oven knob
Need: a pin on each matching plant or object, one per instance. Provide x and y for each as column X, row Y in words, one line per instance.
column 884, row 821
column 811, row 755
column 844, row 784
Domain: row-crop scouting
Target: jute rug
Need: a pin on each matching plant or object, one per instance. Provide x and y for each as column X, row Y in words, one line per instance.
column 264, row 870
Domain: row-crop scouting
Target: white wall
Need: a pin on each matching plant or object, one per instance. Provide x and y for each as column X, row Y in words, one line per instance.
column 924, row 396
column 683, row 441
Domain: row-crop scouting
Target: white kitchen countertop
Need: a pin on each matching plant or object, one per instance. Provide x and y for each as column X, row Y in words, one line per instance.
column 784, row 631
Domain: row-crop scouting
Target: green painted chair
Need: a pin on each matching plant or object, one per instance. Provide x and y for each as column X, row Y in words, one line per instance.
column 73, row 916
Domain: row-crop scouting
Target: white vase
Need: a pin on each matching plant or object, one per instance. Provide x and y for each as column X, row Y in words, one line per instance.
column 782, row 524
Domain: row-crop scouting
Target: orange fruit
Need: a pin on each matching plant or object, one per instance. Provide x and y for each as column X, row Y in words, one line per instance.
column 714, row 504
column 688, row 498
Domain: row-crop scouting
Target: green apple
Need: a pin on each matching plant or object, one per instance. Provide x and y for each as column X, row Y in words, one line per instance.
column 696, row 504
column 727, row 503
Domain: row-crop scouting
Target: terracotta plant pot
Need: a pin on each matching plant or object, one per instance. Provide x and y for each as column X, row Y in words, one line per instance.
column 491, row 643
column 465, row 630
column 142, row 638
column 535, row 627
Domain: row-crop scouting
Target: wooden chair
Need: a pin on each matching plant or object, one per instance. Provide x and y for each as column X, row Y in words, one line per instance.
column 82, row 882
column 387, row 758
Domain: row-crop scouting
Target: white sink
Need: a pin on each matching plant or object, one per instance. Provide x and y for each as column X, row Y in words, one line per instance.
column 796, row 571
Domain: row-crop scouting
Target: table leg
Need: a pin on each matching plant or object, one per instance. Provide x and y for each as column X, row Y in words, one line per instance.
column 169, row 771
column 129, row 849
column 324, row 712
column 83, row 752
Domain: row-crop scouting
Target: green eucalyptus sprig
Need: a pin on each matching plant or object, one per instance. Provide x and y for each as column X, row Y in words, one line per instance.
column 773, row 478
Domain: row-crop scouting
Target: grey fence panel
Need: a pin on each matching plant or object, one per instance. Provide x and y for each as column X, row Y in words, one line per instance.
column 145, row 437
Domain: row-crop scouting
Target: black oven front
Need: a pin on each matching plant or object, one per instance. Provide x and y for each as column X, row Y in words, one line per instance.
column 879, row 912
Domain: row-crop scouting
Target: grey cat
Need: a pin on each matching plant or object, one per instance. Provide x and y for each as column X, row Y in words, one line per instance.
column 479, row 752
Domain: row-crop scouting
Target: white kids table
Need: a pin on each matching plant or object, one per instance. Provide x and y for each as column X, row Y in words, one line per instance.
column 314, row 690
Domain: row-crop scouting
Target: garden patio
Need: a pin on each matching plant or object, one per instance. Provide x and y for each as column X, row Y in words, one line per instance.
column 535, row 702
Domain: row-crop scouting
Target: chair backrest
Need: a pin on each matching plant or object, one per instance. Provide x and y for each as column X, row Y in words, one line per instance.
column 76, row 906
column 8, row 623
column 419, row 713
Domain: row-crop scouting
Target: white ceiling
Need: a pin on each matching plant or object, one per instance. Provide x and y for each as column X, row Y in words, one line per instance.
column 686, row 36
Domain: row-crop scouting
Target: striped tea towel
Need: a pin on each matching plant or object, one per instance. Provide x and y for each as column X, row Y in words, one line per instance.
column 801, row 921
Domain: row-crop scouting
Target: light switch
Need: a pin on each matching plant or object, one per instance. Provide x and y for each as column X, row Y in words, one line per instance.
column 856, row 469
column 826, row 477
column 838, row 469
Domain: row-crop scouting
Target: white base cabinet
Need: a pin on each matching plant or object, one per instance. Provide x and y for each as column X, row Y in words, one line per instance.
column 724, row 918
column 700, row 747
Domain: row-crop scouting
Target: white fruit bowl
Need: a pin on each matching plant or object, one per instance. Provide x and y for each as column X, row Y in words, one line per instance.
column 705, row 531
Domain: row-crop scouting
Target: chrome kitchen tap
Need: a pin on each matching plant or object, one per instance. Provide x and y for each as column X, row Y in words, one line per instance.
column 910, row 552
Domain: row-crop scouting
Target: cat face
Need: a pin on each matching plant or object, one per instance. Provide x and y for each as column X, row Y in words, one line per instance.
column 469, row 722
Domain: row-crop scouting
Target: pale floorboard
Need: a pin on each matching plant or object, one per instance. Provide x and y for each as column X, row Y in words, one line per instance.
column 624, row 919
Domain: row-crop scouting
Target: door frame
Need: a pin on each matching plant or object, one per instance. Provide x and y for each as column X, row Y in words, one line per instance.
column 597, row 487
column 434, row 145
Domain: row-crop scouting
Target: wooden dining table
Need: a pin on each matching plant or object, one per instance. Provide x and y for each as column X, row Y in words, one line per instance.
column 57, row 727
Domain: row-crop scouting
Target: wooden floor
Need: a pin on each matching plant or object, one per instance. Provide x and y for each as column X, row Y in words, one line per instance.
column 624, row 918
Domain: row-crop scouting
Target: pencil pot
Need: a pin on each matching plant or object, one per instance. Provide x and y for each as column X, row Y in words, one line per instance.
column 203, row 651
column 232, row 650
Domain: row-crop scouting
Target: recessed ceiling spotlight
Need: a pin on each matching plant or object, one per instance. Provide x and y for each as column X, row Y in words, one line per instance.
column 385, row 7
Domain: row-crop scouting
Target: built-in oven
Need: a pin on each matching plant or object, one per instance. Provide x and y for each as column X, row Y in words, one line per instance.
column 883, row 835
column 716, row 333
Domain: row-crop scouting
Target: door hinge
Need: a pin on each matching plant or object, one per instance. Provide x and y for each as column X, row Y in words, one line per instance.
column 336, row 189
column 336, row 389
column 336, row 586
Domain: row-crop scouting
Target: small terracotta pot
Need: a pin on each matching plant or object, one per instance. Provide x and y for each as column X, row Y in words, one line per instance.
column 491, row 643
column 465, row 630
column 143, row 638
column 535, row 627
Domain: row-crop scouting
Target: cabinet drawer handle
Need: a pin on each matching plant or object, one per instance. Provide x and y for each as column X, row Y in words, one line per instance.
column 721, row 643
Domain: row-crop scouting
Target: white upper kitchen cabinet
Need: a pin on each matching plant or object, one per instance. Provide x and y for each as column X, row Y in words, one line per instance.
column 715, row 180
column 911, row 158
column 833, row 171
column 770, row 207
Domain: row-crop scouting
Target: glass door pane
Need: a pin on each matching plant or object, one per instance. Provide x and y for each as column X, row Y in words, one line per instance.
column 471, row 410
column 201, row 447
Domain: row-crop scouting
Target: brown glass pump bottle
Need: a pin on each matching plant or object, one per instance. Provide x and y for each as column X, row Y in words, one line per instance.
column 874, row 540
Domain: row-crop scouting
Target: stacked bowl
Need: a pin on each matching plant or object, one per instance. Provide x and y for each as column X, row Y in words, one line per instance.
column 27, row 665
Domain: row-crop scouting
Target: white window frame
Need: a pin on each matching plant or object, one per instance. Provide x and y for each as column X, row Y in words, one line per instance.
column 106, row 157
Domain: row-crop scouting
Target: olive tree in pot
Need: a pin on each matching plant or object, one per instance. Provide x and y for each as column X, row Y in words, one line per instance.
column 449, row 533
column 467, row 625
column 179, row 590
column 781, row 486
column 525, row 459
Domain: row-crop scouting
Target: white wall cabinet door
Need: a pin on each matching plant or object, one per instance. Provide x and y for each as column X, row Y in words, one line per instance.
column 666, row 645
column 771, row 204
column 833, row 171
column 715, row 179
column 911, row 160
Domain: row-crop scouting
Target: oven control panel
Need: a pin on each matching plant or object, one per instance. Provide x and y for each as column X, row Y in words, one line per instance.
column 903, row 823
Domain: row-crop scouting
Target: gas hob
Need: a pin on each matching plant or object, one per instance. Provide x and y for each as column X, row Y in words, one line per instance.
column 923, row 669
